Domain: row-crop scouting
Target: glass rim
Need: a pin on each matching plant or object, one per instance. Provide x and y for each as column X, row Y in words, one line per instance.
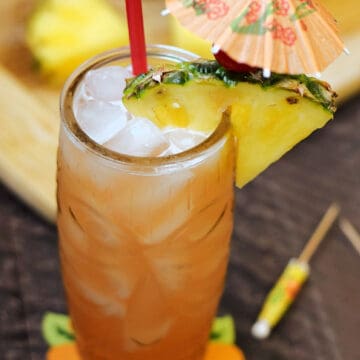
column 78, row 135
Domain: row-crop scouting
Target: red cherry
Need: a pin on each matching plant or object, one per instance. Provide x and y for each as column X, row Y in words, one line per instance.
column 230, row 64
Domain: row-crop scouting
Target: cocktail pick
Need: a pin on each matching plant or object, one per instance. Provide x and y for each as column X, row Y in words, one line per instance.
column 351, row 233
column 290, row 282
column 135, row 22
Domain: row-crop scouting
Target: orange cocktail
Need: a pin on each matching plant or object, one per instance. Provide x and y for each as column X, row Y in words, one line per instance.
column 144, row 241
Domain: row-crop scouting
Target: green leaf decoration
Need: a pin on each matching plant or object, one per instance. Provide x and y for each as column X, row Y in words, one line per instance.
column 199, row 7
column 223, row 330
column 302, row 11
column 56, row 329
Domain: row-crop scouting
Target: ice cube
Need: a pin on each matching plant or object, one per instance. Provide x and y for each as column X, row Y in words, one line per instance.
column 170, row 271
column 152, row 196
column 149, row 316
column 107, row 83
column 183, row 139
column 100, row 120
column 120, row 281
column 140, row 137
column 80, row 97
column 108, row 305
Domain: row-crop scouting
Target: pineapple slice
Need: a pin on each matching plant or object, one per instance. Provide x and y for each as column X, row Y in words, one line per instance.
column 269, row 115
column 61, row 34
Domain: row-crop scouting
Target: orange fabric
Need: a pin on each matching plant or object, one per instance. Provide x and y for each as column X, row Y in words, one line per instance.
column 215, row 351
column 63, row 352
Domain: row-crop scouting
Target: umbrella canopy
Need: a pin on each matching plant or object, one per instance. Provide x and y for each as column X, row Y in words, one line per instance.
column 284, row 36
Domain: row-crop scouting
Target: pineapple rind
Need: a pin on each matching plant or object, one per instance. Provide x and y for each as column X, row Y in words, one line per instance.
column 311, row 88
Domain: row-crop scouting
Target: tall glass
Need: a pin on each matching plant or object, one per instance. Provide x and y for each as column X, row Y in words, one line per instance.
column 144, row 241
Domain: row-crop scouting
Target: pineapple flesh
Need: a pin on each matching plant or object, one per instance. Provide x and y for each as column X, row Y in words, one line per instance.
column 61, row 34
column 269, row 115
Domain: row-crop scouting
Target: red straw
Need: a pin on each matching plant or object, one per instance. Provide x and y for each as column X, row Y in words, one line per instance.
column 136, row 36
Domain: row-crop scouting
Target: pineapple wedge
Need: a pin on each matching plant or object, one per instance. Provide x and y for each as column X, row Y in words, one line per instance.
column 269, row 115
column 61, row 34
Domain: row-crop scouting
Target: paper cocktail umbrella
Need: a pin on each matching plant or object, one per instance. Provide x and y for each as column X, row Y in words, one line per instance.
column 284, row 36
column 292, row 279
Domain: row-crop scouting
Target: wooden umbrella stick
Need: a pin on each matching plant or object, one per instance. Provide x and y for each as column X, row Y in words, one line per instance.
column 351, row 233
column 319, row 233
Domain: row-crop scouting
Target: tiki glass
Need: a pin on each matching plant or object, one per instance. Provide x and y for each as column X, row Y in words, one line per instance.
column 144, row 241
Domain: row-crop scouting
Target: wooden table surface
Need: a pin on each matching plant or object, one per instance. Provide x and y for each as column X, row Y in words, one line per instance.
column 273, row 217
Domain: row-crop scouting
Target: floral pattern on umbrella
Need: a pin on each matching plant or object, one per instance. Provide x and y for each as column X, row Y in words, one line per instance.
column 287, row 36
column 214, row 9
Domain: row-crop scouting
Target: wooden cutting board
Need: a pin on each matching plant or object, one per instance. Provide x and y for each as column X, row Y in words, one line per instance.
column 29, row 118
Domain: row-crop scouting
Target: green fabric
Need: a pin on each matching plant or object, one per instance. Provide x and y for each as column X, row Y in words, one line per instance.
column 56, row 329
column 223, row 330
